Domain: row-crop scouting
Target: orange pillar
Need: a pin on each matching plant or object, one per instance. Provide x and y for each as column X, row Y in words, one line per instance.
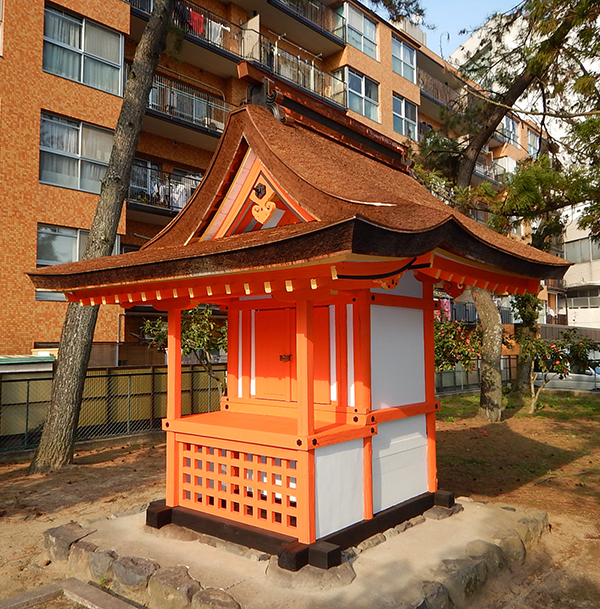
column 307, row 526
column 362, row 354
column 431, row 452
column 173, row 405
column 368, row 478
column 362, row 383
column 429, row 351
column 174, row 365
column 305, row 368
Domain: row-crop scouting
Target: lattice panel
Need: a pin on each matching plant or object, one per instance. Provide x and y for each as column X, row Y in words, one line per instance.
column 234, row 481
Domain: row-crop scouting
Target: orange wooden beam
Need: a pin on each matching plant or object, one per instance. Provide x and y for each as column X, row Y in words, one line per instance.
column 305, row 368
column 174, row 365
column 362, row 354
column 368, row 478
column 431, row 452
column 173, row 406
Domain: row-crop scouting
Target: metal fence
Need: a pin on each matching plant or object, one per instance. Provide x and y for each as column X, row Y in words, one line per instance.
column 459, row 379
column 125, row 401
column 116, row 401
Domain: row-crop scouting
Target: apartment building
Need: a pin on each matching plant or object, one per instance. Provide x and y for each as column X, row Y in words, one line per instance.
column 582, row 280
column 63, row 67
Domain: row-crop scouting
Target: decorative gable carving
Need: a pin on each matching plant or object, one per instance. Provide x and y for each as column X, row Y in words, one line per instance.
column 254, row 201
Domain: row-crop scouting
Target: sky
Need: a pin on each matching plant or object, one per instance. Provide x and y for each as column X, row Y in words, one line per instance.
column 451, row 16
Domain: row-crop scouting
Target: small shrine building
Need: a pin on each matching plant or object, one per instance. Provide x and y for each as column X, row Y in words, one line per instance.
column 324, row 253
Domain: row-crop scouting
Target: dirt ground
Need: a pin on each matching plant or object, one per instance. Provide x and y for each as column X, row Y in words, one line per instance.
column 547, row 462
column 551, row 462
column 103, row 482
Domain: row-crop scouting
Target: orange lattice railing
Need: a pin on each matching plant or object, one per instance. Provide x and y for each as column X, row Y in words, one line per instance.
column 247, row 483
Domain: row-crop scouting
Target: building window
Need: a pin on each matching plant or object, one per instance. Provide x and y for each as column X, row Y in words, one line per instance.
column 582, row 250
column 73, row 154
column 584, row 298
column 59, row 245
column 361, row 32
column 363, row 94
column 511, row 130
column 403, row 59
column 405, row 117
column 81, row 50
column 533, row 143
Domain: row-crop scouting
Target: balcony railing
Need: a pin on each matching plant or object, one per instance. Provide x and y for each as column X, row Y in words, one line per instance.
column 215, row 30
column 152, row 186
column 308, row 76
column 188, row 104
column 486, row 168
column 319, row 14
column 252, row 46
column 435, row 88
column 557, row 284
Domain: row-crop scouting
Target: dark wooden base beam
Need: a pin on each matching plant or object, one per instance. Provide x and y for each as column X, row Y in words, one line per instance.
column 245, row 535
column 158, row 514
column 293, row 555
column 355, row 533
column 444, row 499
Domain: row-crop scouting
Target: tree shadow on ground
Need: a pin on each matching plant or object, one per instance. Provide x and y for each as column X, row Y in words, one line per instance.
column 494, row 460
column 95, row 477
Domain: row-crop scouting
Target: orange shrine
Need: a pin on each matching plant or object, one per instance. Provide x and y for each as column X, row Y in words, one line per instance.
column 324, row 252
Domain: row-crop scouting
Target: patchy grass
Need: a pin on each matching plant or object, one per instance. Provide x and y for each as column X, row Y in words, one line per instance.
column 549, row 460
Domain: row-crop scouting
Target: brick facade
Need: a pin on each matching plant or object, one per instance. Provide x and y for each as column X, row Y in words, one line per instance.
column 28, row 91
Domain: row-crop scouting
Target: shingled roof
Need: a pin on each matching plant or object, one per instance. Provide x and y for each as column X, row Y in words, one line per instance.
column 354, row 203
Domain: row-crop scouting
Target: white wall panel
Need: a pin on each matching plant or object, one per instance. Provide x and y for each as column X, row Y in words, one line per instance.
column 338, row 486
column 399, row 462
column 397, row 357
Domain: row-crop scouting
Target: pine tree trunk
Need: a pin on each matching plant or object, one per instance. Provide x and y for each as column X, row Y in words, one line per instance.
column 490, row 403
column 491, row 324
column 56, row 445
column 524, row 388
column 523, row 381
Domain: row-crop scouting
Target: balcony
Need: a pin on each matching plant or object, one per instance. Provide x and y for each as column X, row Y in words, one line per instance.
column 556, row 284
column 206, row 29
column 487, row 169
column 317, row 14
column 307, row 76
column 167, row 192
column 498, row 137
column 234, row 44
column 437, row 91
column 189, row 105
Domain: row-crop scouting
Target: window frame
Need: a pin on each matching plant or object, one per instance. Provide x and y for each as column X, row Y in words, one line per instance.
column 79, row 156
column 79, row 236
column 511, row 135
column 533, row 148
column 400, row 59
column 345, row 9
column 362, row 94
column 405, row 120
column 83, row 22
